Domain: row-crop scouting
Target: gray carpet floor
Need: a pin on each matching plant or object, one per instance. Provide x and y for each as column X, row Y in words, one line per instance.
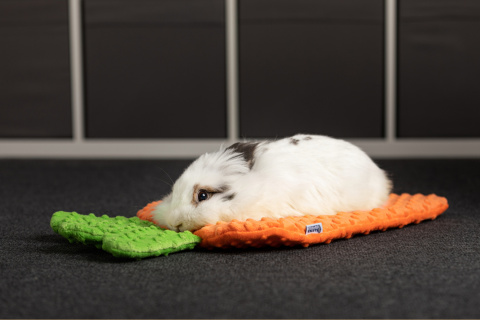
column 429, row 270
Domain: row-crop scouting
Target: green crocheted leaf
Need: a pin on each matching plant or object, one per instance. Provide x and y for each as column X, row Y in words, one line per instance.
column 147, row 242
column 121, row 236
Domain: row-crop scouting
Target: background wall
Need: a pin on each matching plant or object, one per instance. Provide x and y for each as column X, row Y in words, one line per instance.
column 176, row 78
column 34, row 69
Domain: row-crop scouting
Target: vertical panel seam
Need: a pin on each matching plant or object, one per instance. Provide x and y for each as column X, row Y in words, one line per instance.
column 231, row 34
column 390, row 69
column 76, row 69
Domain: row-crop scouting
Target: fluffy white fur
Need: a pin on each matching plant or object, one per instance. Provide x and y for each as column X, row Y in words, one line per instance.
column 304, row 174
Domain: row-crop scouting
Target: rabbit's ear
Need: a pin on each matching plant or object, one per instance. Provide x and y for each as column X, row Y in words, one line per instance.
column 246, row 149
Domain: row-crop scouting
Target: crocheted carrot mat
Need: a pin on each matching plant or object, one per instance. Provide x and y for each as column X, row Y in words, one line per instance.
column 399, row 211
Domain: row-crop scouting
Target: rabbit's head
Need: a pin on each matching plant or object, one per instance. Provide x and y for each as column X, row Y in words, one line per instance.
column 204, row 193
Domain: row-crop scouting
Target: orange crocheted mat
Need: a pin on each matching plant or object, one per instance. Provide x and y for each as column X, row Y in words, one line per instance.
column 399, row 211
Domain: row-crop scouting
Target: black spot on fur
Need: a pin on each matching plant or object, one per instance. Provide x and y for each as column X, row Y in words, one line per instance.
column 294, row 141
column 229, row 197
column 247, row 149
column 307, row 138
column 223, row 188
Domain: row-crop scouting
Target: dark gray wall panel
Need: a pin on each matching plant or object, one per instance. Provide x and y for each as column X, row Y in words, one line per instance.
column 34, row 69
column 155, row 68
column 439, row 68
column 311, row 66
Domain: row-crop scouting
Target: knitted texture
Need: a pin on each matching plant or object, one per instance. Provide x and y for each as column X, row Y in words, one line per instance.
column 121, row 236
column 399, row 211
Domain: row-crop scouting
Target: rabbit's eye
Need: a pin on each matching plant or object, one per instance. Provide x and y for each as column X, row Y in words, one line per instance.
column 202, row 195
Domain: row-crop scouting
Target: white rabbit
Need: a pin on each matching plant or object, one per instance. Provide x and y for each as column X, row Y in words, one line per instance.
column 301, row 175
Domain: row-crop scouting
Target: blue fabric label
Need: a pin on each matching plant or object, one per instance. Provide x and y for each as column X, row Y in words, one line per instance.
column 314, row 228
